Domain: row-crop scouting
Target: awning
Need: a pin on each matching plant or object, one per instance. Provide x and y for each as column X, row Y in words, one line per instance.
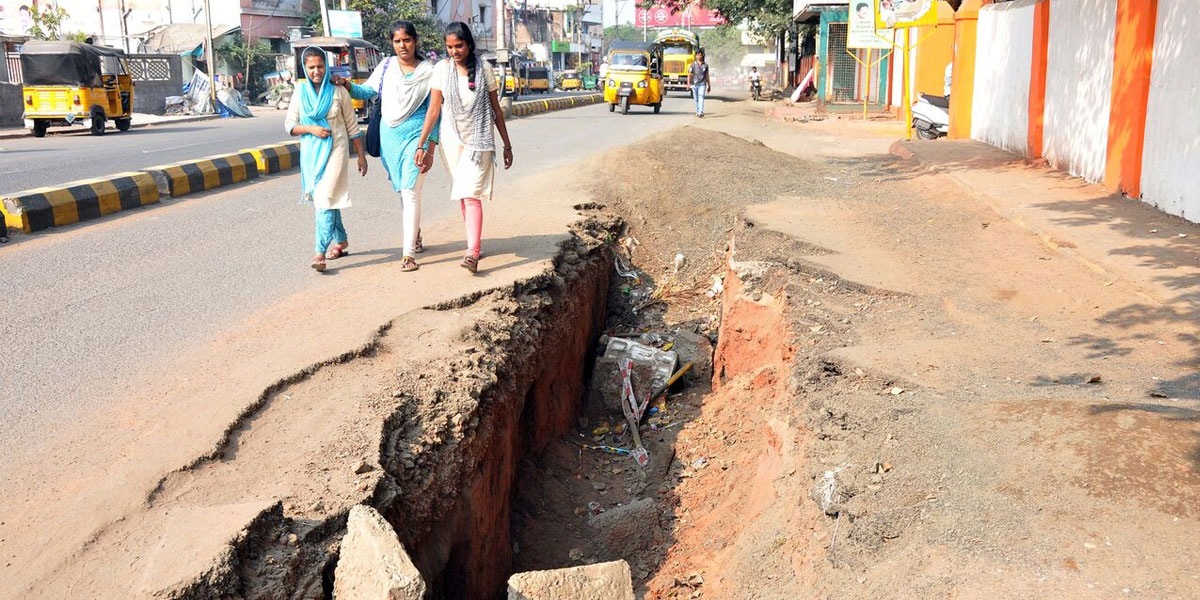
column 183, row 38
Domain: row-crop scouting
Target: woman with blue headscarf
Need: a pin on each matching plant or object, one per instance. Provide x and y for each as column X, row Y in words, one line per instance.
column 323, row 116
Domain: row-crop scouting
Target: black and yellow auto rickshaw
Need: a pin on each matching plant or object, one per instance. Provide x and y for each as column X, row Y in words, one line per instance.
column 72, row 83
column 351, row 58
column 570, row 81
column 634, row 76
column 537, row 79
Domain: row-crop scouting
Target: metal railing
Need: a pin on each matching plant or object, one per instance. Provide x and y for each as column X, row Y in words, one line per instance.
column 12, row 61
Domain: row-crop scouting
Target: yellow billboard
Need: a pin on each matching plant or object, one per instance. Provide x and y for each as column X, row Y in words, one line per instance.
column 905, row 13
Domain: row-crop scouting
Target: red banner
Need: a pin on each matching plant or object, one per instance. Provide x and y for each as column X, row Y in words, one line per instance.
column 694, row 16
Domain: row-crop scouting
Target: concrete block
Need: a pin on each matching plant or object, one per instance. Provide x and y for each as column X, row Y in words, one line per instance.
column 373, row 564
column 603, row 581
column 55, row 206
column 191, row 176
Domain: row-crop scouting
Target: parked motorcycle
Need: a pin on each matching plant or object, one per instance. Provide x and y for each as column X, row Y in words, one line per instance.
column 931, row 116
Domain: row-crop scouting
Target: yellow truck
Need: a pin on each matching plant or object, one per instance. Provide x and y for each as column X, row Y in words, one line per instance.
column 679, row 52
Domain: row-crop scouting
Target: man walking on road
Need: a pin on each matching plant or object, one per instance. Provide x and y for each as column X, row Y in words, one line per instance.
column 699, row 82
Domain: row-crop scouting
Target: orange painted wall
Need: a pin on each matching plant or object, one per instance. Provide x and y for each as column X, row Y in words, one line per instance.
column 966, row 22
column 935, row 52
column 1133, row 58
column 1037, row 78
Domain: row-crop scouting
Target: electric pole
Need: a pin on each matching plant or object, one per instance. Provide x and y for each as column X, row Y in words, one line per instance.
column 324, row 16
column 212, row 61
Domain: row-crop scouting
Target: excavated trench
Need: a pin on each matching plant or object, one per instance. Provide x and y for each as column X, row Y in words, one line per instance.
column 491, row 454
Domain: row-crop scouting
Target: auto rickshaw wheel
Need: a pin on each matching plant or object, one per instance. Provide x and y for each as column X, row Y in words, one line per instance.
column 39, row 127
column 98, row 123
column 124, row 124
column 612, row 108
column 625, row 105
column 657, row 107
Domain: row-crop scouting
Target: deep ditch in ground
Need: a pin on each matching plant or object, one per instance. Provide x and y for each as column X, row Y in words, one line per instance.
column 487, row 462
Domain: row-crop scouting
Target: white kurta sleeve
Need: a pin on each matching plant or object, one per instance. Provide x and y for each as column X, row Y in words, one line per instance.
column 346, row 107
column 293, row 114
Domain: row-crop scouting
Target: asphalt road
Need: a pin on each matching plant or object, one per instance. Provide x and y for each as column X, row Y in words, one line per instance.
column 31, row 162
column 93, row 307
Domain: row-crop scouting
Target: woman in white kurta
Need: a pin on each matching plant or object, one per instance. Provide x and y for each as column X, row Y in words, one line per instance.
column 323, row 116
column 468, row 89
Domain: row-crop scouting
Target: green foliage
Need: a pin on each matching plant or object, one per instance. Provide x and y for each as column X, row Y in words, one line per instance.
column 723, row 47
column 378, row 17
column 627, row 33
column 249, row 58
column 47, row 24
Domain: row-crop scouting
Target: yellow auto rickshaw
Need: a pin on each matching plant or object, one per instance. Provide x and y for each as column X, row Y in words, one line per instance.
column 634, row 76
column 72, row 83
column 351, row 58
column 570, row 81
column 537, row 79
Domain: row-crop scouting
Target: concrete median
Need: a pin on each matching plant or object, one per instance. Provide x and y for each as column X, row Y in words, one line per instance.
column 191, row 176
column 274, row 158
column 536, row 107
column 46, row 207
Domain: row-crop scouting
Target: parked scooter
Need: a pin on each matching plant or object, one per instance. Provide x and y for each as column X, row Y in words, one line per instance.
column 931, row 116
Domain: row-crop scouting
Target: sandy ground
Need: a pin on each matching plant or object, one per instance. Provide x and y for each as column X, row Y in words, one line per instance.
column 929, row 390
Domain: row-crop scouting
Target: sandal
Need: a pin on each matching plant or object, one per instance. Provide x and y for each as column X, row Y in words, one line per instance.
column 470, row 263
column 319, row 265
column 408, row 264
column 337, row 251
column 418, row 247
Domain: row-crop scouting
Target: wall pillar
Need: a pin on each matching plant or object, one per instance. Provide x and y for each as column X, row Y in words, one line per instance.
column 1037, row 78
column 962, row 84
column 1133, row 59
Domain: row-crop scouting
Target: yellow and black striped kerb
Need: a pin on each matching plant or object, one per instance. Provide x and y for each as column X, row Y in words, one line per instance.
column 42, row 208
column 191, row 176
column 535, row 107
column 276, row 157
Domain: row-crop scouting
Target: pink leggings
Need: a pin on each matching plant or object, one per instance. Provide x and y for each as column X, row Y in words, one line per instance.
column 472, row 210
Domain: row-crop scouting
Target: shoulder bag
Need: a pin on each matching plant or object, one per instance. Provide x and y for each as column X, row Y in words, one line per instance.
column 376, row 118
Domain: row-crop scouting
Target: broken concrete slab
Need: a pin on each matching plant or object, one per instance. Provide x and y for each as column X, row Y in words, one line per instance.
column 696, row 349
column 373, row 564
column 651, row 369
column 626, row 531
column 602, row 581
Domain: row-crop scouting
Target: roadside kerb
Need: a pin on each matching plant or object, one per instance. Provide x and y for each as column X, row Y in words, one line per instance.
column 55, row 206
column 535, row 107
column 191, row 176
column 274, row 158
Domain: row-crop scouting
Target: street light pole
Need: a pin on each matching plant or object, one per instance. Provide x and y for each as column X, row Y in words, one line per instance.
column 212, row 61
column 324, row 16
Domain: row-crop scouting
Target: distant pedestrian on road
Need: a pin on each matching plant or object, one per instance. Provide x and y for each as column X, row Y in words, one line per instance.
column 324, row 119
column 402, row 85
column 699, row 81
column 467, row 89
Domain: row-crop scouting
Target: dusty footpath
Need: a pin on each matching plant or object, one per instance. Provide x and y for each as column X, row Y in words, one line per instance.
column 940, row 375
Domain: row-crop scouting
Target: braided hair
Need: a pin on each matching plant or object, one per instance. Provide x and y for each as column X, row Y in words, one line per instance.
column 460, row 30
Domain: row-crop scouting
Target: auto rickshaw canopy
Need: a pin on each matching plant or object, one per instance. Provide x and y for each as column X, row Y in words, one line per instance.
column 360, row 55
column 625, row 55
column 65, row 63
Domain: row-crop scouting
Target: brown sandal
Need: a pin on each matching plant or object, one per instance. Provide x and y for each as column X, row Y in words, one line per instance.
column 319, row 265
column 418, row 247
column 408, row 264
column 337, row 251
column 470, row 263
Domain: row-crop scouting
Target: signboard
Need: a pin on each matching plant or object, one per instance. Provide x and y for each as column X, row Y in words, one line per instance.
column 16, row 16
column 345, row 23
column 905, row 13
column 862, row 27
column 694, row 16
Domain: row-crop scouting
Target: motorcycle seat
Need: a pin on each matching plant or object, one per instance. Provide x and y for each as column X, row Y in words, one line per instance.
column 938, row 101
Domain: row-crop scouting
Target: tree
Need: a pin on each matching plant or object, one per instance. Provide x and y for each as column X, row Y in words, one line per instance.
column 379, row 15
column 627, row 33
column 48, row 24
column 236, row 51
column 723, row 47
column 767, row 18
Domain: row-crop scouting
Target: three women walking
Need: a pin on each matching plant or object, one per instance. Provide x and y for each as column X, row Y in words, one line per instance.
column 413, row 93
column 325, row 121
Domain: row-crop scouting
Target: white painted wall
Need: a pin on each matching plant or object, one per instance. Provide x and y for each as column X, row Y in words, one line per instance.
column 1079, row 85
column 1003, row 61
column 1171, row 160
